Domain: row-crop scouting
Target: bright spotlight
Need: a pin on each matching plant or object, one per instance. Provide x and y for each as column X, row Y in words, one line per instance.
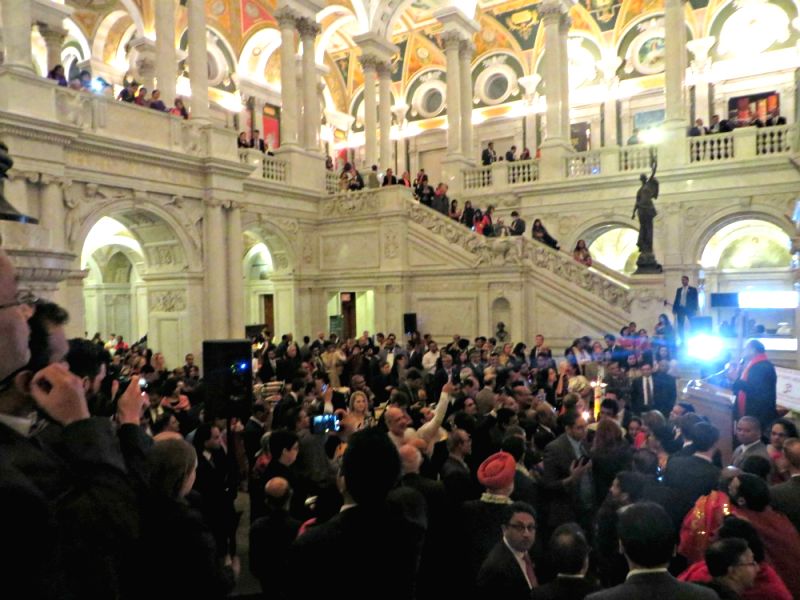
column 654, row 135
column 705, row 348
column 774, row 299
column 98, row 85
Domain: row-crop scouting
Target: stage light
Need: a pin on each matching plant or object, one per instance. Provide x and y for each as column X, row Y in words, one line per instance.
column 774, row 299
column 654, row 135
column 705, row 348
column 98, row 85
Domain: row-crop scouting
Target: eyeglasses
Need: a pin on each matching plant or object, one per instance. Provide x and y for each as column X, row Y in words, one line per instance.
column 747, row 564
column 519, row 527
column 25, row 297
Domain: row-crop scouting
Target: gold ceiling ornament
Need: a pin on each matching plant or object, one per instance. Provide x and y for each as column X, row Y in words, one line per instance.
column 523, row 22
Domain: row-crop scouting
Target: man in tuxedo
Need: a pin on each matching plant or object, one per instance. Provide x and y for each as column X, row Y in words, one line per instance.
column 698, row 129
column 714, row 124
column 653, row 391
column 455, row 472
column 569, row 552
column 389, row 178
column 508, row 570
column 748, row 434
column 685, row 305
column 566, row 478
column 648, row 543
column 256, row 141
column 254, row 430
column 488, row 156
column 756, row 387
column 694, row 476
column 511, row 154
column 785, row 497
column 517, row 224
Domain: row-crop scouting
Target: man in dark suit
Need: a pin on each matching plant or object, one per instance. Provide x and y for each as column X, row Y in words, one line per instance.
column 508, row 570
column 455, row 473
column 488, row 156
column 256, row 141
column 653, row 391
column 517, row 226
column 685, row 305
column 566, row 478
column 375, row 521
column 756, row 387
column 785, row 497
column 254, row 431
column 648, row 542
column 511, row 154
column 569, row 551
column 748, row 434
column 694, row 476
column 698, row 129
column 525, row 488
column 389, row 178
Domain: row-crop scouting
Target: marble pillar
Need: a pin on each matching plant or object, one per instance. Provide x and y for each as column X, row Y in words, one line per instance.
column 166, row 57
column 198, row 59
column 675, row 63
column 452, row 44
column 235, row 283
column 216, row 281
column 555, row 74
column 53, row 41
column 385, row 115
column 369, row 64
column 465, row 52
column 16, row 16
column 311, row 117
column 287, row 21
column 52, row 213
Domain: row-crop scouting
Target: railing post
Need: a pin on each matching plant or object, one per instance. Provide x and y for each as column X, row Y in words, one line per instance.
column 500, row 175
column 744, row 142
column 609, row 160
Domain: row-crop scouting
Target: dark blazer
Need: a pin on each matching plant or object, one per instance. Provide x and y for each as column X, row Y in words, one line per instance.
column 691, row 302
column 287, row 368
column 500, row 576
column 525, row 489
column 690, row 477
column 480, row 524
column 760, row 390
column 510, row 156
column 565, row 588
column 786, row 499
column 253, row 432
column 266, row 371
column 270, row 539
column 665, row 393
column 458, row 482
column 655, row 586
column 258, row 144
column 563, row 498
column 389, row 180
column 488, row 156
column 517, row 226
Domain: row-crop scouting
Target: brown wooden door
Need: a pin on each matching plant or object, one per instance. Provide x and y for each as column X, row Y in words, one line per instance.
column 349, row 314
column 269, row 314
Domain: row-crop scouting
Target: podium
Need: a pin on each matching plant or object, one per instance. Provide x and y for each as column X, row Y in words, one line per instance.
column 717, row 404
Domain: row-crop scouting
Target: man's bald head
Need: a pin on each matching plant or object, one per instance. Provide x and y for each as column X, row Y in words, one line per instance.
column 791, row 449
column 396, row 420
column 277, row 493
column 410, row 458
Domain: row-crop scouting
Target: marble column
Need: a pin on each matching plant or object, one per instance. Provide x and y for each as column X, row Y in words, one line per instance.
column 452, row 44
column 198, row 59
column 235, row 282
column 53, row 41
column 52, row 213
column 166, row 58
column 216, row 282
column 701, row 73
column 369, row 65
column 555, row 72
column 563, row 33
column 287, row 21
column 465, row 52
column 311, row 117
column 16, row 16
column 675, row 62
column 610, row 116
column 385, row 114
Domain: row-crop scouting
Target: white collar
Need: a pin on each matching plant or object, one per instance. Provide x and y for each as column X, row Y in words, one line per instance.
column 347, row 507
column 568, row 576
column 633, row 572
column 702, row 456
column 22, row 425
column 746, row 447
column 520, row 555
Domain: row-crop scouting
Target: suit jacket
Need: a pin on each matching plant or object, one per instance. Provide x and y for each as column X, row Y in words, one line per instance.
column 786, row 499
column 654, row 586
column 525, row 489
column 270, row 539
column 760, row 391
column 510, row 156
column 488, row 156
column 690, row 477
column 564, row 500
column 565, row 588
column 480, row 525
column 691, row 302
column 665, row 392
column 389, row 180
column 517, row 227
column 253, row 432
column 458, row 482
column 740, row 455
column 500, row 576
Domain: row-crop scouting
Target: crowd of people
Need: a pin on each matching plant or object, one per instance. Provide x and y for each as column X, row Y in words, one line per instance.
column 372, row 464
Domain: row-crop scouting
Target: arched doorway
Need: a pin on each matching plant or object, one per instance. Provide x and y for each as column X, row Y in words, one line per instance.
column 259, row 295
column 614, row 247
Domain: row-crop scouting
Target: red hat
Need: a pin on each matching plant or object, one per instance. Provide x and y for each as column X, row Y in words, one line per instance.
column 497, row 471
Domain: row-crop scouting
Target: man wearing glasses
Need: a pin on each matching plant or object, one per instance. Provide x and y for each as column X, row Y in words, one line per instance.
column 508, row 570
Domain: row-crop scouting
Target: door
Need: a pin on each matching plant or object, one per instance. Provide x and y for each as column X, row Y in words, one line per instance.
column 349, row 314
column 269, row 314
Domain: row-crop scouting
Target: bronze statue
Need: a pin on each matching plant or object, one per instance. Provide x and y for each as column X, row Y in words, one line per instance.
column 648, row 192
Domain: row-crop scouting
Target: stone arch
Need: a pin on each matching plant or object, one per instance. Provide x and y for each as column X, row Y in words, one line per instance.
column 257, row 51
column 277, row 237
column 501, row 313
column 594, row 228
column 114, row 29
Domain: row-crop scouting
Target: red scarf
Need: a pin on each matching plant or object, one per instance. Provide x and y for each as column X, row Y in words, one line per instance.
column 741, row 398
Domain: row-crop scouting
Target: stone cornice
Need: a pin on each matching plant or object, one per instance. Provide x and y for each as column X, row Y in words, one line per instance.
column 308, row 28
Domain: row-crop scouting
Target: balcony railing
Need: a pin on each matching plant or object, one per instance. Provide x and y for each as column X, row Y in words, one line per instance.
column 712, row 148
column 477, row 178
column 523, row 171
column 637, row 158
column 265, row 166
column 331, row 182
column 584, row 163
column 779, row 139
column 502, row 173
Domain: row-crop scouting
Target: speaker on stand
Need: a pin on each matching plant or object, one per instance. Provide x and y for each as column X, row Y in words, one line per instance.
column 228, row 378
column 409, row 323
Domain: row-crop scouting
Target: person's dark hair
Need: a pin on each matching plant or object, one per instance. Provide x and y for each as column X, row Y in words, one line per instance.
column 514, row 446
column 280, row 440
column 169, row 386
column 323, row 377
column 646, row 533
column 686, row 424
column 39, row 341
column 504, row 416
column 611, row 405
column 201, row 435
column 757, row 465
column 632, row 483
column 162, row 422
column 724, row 554
column 757, row 346
column 85, row 358
column 170, row 462
column 663, row 434
column 518, row 507
column 569, row 548
column 413, row 374
column 704, row 436
column 298, row 383
column 687, row 407
column 291, row 418
column 569, row 418
column 734, row 527
column 791, row 428
column 754, row 490
column 370, row 466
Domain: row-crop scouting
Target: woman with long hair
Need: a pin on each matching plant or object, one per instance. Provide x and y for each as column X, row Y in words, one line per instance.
column 467, row 215
column 455, row 214
column 540, row 234
column 581, row 253
column 610, row 454
column 487, row 225
column 779, row 432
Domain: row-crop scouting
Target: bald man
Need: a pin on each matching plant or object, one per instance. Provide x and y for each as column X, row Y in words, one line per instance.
column 271, row 536
column 786, row 496
column 748, row 433
column 399, row 423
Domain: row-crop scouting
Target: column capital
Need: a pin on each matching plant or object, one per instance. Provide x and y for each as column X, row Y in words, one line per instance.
column 549, row 11
column 452, row 39
column 308, row 28
column 466, row 49
column 286, row 17
column 455, row 19
column 369, row 62
column 384, row 69
column 372, row 44
column 50, row 34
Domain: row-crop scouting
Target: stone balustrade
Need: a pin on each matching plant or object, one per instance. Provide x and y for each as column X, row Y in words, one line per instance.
column 501, row 174
column 331, row 182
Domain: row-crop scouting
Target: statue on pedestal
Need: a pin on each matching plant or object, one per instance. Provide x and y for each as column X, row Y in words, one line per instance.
column 646, row 263
column 7, row 211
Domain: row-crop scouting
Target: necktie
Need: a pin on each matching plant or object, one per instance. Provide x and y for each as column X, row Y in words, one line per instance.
column 529, row 570
column 647, row 391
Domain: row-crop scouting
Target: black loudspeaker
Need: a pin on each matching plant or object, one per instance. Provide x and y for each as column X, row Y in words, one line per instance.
column 727, row 300
column 410, row 322
column 228, row 378
column 700, row 325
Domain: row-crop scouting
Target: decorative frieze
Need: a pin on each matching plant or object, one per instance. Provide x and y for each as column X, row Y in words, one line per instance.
column 167, row 301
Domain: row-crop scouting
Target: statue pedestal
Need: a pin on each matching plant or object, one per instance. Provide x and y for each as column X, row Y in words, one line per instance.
column 647, row 264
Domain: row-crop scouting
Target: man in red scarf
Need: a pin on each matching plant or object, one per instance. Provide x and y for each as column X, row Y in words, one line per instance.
column 756, row 386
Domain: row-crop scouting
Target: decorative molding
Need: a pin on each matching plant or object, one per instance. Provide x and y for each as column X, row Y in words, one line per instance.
column 391, row 244
column 189, row 214
column 308, row 251
column 350, row 203
column 167, row 301
column 289, row 226
column 369, row 62
column 308, row 28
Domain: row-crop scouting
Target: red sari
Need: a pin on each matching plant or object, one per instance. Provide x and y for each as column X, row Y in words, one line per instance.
column 767, row 584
